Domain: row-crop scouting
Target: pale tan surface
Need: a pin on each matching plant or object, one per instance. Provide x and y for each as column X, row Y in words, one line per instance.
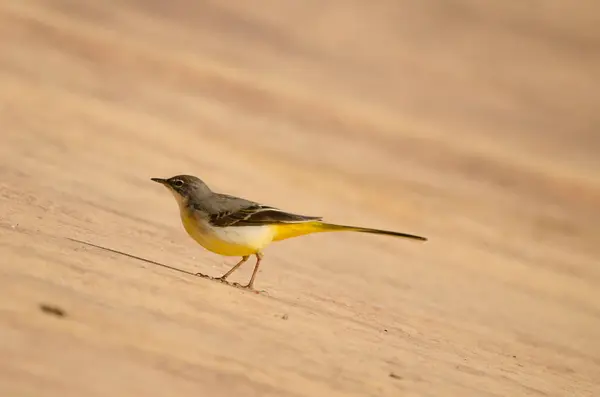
column 475, row 125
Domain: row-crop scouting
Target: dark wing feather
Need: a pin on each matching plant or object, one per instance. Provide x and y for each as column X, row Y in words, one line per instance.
column 257, row 215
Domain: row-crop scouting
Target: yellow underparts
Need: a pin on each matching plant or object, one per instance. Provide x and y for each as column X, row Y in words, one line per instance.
column 248, row 240
column 225, row 241
column 289, row 230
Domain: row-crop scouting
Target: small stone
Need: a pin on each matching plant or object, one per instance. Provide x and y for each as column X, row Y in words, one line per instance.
column 52, row 310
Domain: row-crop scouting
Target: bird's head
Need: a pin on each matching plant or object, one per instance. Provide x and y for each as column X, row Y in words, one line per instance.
column 185, row 187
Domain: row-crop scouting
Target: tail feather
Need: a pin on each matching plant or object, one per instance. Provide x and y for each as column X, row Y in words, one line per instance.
column 289, row 230
column 334, row 227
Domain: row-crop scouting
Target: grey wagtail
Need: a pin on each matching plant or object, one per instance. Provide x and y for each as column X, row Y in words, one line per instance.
column 233, row 226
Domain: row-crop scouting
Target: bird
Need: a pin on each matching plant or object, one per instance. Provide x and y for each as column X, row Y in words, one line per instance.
column 233, row 226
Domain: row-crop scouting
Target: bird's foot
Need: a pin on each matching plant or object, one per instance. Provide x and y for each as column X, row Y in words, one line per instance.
column 248, row 287
column 221, row 279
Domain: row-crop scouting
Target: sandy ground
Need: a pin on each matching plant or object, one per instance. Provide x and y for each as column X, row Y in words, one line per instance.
column 474, row 125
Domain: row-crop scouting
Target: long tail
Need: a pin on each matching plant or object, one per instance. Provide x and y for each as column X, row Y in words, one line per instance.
column 289, row 230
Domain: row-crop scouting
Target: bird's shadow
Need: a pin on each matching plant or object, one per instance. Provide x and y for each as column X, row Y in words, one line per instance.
column 139, row 258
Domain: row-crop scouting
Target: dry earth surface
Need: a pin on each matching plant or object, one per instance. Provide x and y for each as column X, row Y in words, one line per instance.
column 473, row 123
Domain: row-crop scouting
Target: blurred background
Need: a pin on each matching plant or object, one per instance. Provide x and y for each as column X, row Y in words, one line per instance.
column 474, row 123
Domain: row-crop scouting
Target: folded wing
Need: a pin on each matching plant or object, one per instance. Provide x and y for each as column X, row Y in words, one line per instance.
column 258, row 215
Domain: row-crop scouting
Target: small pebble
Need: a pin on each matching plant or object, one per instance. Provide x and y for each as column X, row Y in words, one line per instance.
column 53, row 310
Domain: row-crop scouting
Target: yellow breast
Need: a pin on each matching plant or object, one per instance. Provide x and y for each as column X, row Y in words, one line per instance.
column 228, row 241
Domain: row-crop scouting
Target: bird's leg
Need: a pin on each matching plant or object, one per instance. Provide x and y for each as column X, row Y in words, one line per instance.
column 233, row 269
column 250, row 285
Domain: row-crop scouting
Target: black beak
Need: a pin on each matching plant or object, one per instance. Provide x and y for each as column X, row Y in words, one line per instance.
column 159, row 180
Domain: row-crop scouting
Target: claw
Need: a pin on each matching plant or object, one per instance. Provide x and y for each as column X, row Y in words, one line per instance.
column 223, row 280
column 250, row 288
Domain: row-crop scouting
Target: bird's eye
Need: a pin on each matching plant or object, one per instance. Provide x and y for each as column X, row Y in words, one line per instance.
column 178, row 183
